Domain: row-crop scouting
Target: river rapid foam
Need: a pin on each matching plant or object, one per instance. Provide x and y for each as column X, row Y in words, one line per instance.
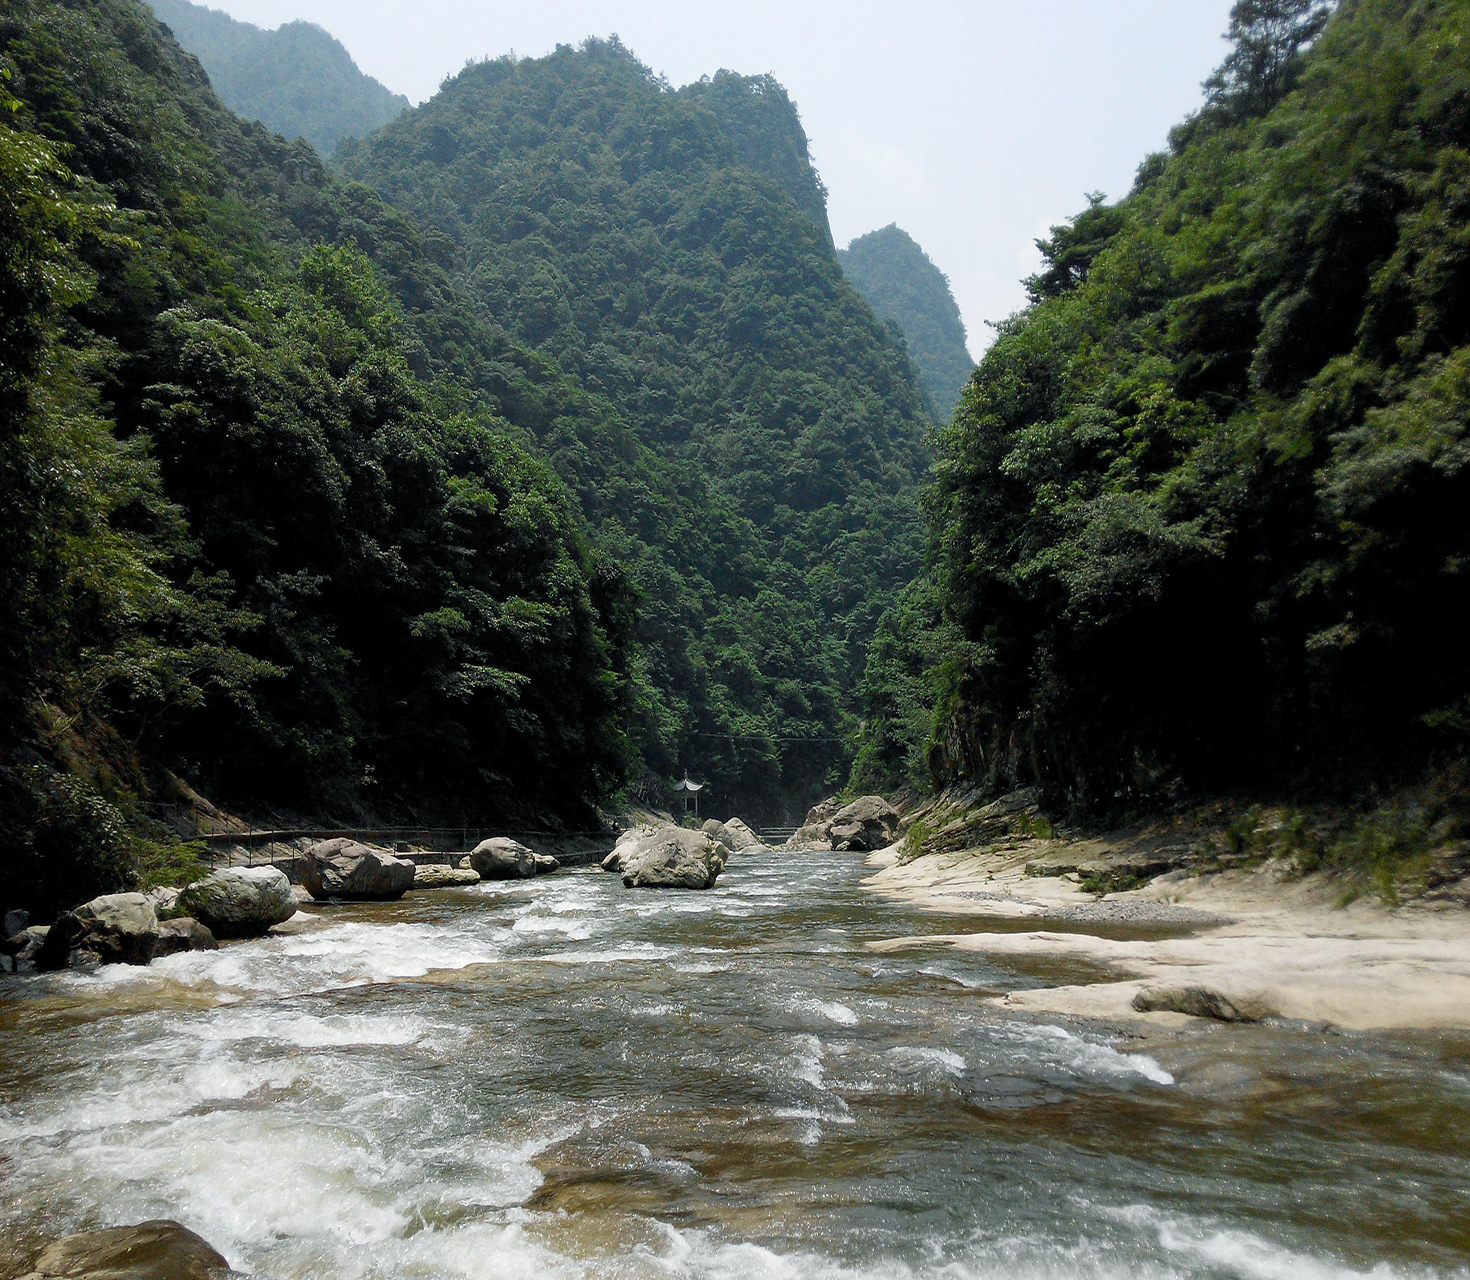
column 565, row 1078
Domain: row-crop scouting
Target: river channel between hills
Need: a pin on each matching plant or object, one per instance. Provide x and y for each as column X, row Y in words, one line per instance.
column 563, row 1077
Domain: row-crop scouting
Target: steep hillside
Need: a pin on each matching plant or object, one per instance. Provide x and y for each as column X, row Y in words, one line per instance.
column 297, row 80
column 1200, row 516
column 256, row 530
column 670, row 250
column 901, row 284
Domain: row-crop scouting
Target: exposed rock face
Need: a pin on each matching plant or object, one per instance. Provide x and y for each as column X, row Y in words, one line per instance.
column 501, row 858
column 868, row 823
column 436, row 876
column 158, row 1250
column 239, row 902
column 738, row 837
column 15, row 922
column 22, row 948
column 673, row 858
column 1203, row 1002
column 165, row 901
column 117, row 928
column 346, row 869
column 184, row 933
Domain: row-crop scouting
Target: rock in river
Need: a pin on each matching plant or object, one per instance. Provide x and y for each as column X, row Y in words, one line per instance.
column 433, row 875
column 184, row 933
column 117, row 928
column 1204, row 1002
column 347, row 869
column 158, row 1250
column 239, row 902
column 501, row 858
column 673, row 858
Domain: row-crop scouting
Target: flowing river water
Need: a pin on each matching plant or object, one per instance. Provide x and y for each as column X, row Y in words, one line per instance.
column 563, row 1077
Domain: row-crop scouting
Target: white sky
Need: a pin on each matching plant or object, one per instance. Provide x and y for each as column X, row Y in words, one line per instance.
column 974, row 125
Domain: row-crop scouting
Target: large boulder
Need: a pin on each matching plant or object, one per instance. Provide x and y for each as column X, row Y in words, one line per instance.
column 866, row 824
column 158, row 1250
column 345, row 868
column 435, row 875
column 501, row 858
column 239, row 902
column 674, row 858
column 184, row 933
column 739, row 837
column 117, row 928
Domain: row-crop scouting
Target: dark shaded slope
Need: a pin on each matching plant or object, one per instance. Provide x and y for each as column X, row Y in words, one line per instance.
column 1201, row 513
column 670, row 249
column 296, row 80
column 260, row 527
column 901, row 284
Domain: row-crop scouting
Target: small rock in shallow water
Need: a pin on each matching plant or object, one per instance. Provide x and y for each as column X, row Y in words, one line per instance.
column 435, row 876
column 158, row 1250
column 546, row 864
column 1203, row 1002
column 184, row 933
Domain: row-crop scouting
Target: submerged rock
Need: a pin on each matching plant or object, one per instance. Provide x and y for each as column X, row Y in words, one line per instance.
column 345, row 868
column 433, row 875
column 673, row 858
column 184, row 933
column 117, row 928
column 1203, row 1002
column 239, row 902
column 157, row 1250
column 501, row 858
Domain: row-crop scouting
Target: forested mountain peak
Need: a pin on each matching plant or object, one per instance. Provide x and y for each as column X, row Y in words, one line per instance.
column 902, row 284
column 297, row 80
column 670, row 250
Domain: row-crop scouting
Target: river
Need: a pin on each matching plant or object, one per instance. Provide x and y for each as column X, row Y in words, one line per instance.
column 563, row 1077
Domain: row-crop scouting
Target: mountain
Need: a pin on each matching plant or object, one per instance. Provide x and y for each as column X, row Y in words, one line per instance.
column 296, row 80
column 901, row 284
column 257, row 531
column 669, row 250
column 1199, row 522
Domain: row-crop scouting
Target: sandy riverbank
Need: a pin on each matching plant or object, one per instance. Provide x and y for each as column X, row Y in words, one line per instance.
column 1266, row 943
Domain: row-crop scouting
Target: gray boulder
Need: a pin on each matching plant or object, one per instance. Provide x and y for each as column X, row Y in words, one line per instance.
column 165, row 901
column 738, row 837
column 158, row 1250
column 501, row 858
column 433, row 875
column 15, row 922
column 866, row 824
column 347, row 869
column 674, row 858
column 239, row 902
column 184, row 933
column 546, row 864
column 117, row 928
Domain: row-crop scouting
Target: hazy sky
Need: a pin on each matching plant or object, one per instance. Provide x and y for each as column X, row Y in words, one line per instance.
column 974, row 126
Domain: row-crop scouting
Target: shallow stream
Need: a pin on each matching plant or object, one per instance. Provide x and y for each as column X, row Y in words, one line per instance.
column 563, row 1077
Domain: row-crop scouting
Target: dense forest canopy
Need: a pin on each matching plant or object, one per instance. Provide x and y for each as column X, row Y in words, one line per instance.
column 297, row 80
column 901, row 284
column 670, row 250
column 1200, row 516
column 256, row 530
